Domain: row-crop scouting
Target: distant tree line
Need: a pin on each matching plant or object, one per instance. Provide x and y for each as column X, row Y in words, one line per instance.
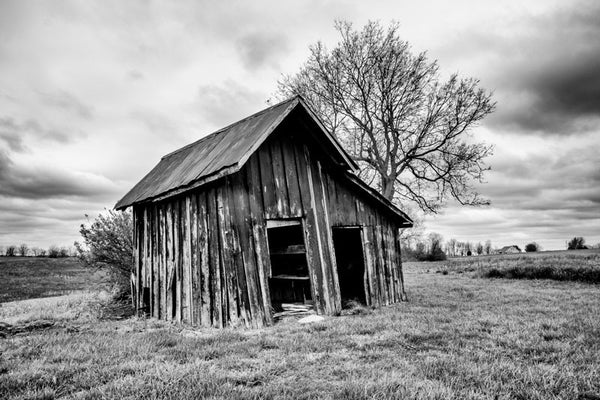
column 23, row 250
column 429, row 248
column 455, row 248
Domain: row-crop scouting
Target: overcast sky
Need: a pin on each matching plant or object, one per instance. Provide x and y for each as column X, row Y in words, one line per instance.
column 92, row 94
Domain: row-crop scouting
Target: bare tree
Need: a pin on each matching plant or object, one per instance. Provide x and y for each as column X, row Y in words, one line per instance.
column 11, row 251
column 451, row 247
column 488, row 247
column 576, row 243
column 479, row 248
column 23, row 250
column 405, row 127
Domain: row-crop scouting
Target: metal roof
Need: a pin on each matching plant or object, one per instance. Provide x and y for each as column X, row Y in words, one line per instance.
column 218, row 154
column 226, row 151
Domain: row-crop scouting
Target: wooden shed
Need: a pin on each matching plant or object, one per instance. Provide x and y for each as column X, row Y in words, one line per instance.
column 264, row 212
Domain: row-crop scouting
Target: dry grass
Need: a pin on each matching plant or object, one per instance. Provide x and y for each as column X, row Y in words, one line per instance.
column 32, row 277
column 458, row 337
column 72, row 308
column 576, row 265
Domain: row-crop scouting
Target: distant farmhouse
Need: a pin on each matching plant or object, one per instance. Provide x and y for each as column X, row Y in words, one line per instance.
column 265, row 212
column 509, row 250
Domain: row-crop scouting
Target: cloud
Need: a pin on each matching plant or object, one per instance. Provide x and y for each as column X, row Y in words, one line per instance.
column 546, row 191
column 46, row 181
column 10, row 134
column 223, row 104
column 68, row 102
column 261, row 49
column 543, row 66
column 13, row 133
column 135, row 75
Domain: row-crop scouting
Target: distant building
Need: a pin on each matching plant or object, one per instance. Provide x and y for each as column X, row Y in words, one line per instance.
column 509, row 250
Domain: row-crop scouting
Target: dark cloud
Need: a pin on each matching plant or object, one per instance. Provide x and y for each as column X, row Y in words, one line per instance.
column 544, row 68
column 11, row 135
column 223, row 104
column 563, row 99
column 545, row 182
column 261, row 49
column 44, row 183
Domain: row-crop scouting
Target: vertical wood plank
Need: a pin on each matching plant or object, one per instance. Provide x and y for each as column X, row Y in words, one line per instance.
column 195, row 279
column 144, row 246
column 293, row 185
column 400, row 267
column 263, row 262
column 315, row 236
column 216, row 287
column 186, row 291
column 204, row 257
column 155, row 262
column 229, row 305
column 391, row 267
column 170, row 261
column 370, row 265
column 177, row 256
column 279, row 175
column 328, row 239
column 379, row 252
column 243, row 223
column 136, row 261
column 238, row 241
column 334, row 214
column 267, row 182
column 163, row 262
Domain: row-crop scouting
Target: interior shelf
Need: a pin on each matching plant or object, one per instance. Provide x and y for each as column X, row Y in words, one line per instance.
column 291, row 277
column 287, row 253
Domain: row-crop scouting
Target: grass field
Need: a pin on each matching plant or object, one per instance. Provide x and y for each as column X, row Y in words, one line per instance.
column 460, row 336
column 32, row 277
column 574, row 265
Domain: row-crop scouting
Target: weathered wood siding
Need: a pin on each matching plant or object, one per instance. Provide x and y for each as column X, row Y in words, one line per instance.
column 202, row 257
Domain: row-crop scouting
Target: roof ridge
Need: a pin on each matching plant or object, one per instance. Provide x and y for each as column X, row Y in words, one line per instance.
column 215, row 133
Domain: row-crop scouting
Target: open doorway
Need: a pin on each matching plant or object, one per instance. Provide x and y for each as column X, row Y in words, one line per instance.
column 289, row 281
column 349, row 257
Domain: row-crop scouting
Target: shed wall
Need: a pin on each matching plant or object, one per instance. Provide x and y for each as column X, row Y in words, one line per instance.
column 203, row 258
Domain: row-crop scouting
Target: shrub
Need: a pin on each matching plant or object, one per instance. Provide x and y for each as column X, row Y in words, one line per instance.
column 11, row 251
column 108, row 244
column 54, row 251
column 23, row 250
column 531, row 247
column 576, row 243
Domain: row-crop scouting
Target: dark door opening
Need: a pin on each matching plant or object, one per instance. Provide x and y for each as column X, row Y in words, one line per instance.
column 349, row 257
column 289, row 280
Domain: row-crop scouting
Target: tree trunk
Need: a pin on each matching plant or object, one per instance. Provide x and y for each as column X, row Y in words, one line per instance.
column 387, row 187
